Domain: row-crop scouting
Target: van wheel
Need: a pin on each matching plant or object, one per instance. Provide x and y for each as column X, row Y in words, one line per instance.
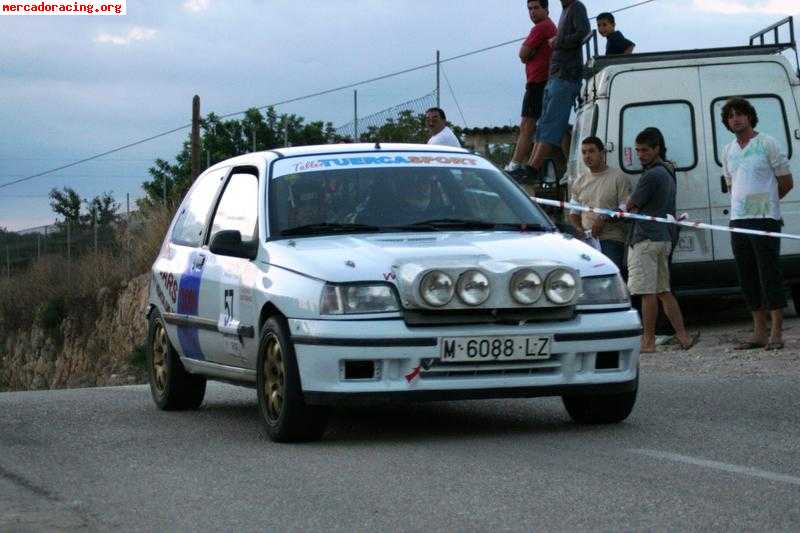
column 172, row 387
column 600, row 408
column 796, row 298
column 285, row 413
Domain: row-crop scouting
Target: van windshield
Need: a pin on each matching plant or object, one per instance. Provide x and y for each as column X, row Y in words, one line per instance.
column 353, row 193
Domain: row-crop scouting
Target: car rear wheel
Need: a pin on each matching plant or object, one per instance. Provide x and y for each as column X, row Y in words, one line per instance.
column 285, row 413
column 600, row 408
column 172, row 387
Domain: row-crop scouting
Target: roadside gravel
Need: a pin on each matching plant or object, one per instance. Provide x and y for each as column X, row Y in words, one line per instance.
column 721, row 326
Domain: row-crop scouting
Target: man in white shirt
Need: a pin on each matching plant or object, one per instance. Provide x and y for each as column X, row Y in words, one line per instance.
column 436, row 122
column 758, row 175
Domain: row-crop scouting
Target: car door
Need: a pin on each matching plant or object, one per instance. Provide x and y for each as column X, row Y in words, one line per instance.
column 179, row 269
column 666, row 98
column 228, row 280
column 766, row 85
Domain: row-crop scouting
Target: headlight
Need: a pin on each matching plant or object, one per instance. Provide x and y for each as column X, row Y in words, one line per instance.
column 436, row 288
column 604, row 290
column 357, row 299
column 526, row 286
column 473, row 287
column 560, row 286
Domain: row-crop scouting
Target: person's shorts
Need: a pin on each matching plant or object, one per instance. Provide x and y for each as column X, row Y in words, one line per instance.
column 648, row 267
column 559, row 97
column 532, row 103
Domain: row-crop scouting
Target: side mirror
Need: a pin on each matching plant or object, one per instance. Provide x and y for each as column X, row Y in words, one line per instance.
column 229, row 243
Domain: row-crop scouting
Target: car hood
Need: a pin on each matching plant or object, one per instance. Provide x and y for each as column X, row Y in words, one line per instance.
column 348, row 258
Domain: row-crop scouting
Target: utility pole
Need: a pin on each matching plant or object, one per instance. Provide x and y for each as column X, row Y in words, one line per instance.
column 355, row 115
column 195, row 138
column 438, row 73
column 128, row 234
column 254, row 138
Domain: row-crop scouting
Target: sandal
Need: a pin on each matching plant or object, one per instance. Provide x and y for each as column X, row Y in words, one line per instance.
column 692, row 341
column 774, row 345
column 749, row 345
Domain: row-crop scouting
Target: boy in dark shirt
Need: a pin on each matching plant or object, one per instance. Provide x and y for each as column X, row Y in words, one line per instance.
column 616, row 43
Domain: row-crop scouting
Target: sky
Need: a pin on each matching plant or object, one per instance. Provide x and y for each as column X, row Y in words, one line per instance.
column 73, row 87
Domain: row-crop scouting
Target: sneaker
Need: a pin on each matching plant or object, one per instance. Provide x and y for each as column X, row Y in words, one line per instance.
column 512, row 166
column 518, row 174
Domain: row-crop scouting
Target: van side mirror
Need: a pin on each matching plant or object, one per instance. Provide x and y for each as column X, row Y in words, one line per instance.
column 229, row 243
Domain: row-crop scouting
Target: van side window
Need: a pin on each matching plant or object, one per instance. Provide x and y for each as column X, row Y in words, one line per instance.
column 771, row 120
column 191, row 220
column 238, row 207
column 675, row 119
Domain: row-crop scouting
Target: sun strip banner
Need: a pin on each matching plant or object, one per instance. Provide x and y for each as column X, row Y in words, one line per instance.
column 670, row 220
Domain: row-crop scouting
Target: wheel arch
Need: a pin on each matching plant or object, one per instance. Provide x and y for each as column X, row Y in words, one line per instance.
column 268, row 310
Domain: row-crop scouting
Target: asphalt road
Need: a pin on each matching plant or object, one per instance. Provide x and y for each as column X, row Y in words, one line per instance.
column 699, row 453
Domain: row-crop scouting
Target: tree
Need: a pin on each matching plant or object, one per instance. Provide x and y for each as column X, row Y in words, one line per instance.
column 66, row 203
column 101, row 210
column 222, row 139
column 407, row 128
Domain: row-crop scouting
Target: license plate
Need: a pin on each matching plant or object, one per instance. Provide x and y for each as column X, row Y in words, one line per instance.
column 457, row 349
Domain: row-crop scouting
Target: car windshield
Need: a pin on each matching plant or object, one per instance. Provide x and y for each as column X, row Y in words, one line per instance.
column 352, row 193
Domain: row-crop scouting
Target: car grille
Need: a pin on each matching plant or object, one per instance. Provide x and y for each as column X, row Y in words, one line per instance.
column 418, row 317
column 439, row 370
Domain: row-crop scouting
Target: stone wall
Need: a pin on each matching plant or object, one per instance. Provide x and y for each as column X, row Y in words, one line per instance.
column 78, row 356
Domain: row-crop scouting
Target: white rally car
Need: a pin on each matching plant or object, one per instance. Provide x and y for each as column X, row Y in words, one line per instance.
column 362, row 272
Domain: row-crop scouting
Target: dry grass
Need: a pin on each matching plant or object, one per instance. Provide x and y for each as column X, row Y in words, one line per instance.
column 54, row 287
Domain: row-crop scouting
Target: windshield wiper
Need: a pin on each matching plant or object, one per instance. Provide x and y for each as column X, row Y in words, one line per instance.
column 466, row 224
column 323, row 228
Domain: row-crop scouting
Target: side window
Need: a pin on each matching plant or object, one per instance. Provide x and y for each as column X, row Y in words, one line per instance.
column 191, row 221
column 675, row 119
column 585, row 127
column 238, row 207
column 771, row 120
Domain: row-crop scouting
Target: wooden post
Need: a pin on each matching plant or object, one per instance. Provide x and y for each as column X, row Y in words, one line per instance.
column 195, row 137
column 128, row 234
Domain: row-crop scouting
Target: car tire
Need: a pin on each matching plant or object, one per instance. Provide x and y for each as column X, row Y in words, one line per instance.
column 286, row 416
column 172, row 387
column 600, row 408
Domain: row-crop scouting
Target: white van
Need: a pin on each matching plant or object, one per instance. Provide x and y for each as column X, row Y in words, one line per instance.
column 682, row 94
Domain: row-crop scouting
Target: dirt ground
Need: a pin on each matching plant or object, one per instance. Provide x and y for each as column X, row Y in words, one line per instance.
column 722, row 322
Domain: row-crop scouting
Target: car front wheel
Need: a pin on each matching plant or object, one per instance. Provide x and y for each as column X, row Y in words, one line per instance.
column 172, row 387
column 286, row 416
column 600, row 408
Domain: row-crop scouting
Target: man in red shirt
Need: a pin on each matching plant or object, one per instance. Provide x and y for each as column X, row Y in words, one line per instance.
column 535, row 53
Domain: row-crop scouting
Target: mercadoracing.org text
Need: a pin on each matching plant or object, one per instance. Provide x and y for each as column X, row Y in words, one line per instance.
column 62, row 7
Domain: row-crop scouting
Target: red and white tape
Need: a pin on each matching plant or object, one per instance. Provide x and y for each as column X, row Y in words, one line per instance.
column 678, row 222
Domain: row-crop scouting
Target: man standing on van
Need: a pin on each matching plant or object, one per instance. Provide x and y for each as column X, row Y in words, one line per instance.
column 758, row 175
column 651, row 243
column 604, row 188
column 566, row 68
column 535, row 54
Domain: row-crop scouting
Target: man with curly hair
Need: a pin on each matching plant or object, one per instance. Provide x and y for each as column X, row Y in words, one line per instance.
column 758, row 175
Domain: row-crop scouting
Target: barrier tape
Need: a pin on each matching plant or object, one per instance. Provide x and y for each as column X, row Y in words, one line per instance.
column 678, row 222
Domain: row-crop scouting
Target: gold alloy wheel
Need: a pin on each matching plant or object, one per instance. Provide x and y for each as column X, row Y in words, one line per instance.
column 274, row 378
column 160, row 349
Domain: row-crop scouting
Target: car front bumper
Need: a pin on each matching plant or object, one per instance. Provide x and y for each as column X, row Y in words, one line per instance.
column 407, row 367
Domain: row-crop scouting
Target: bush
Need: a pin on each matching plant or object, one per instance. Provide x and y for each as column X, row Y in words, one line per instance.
column 50, row 314
column 138, row 357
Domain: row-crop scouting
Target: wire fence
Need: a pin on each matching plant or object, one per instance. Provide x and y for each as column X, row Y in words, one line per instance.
column 71, row 241
column 358, row 127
